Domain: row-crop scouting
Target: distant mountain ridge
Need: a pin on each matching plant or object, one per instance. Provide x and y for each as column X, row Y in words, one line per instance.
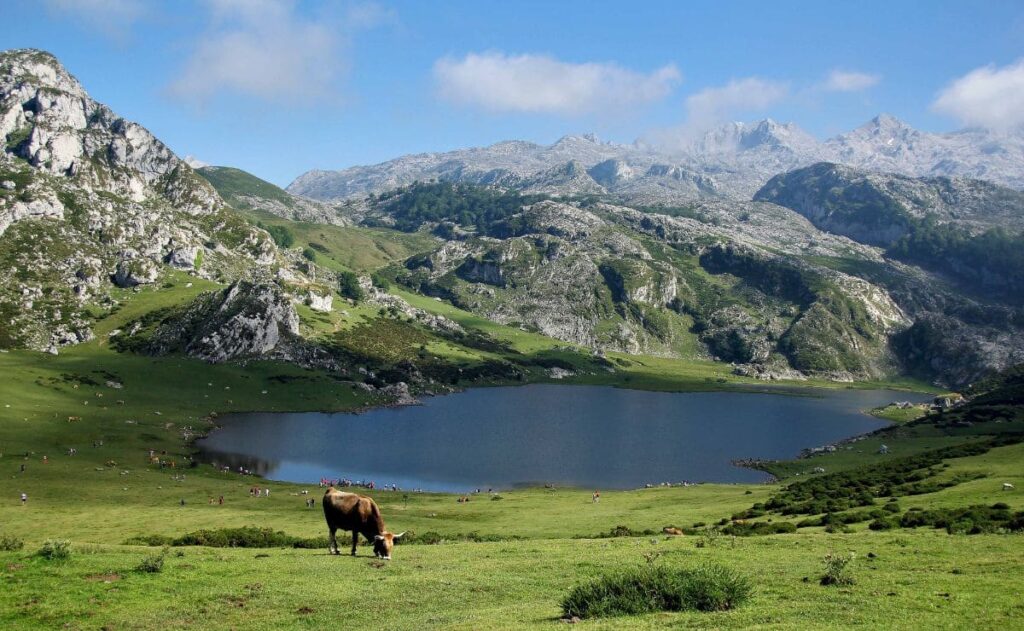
column 732, row 161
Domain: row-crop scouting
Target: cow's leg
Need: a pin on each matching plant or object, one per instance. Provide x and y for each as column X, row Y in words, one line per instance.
column 355, row 541
column 332, row 542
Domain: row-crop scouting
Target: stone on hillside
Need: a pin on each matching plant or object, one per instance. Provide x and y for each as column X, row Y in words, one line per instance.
column 316, row 302
column 131, row 273
column 244, row 320
column 44, row 207
column 183, row 257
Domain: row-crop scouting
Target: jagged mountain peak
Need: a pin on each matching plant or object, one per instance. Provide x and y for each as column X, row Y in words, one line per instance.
column 735, row 137
column 885, row 128
column 39, row 68
column 578, row 139
column 732, row 160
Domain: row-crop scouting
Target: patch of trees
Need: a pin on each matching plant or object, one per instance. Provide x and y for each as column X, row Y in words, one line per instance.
column 992, row 261
column 844, row 490
column 348, row 286
column 281, row 235
column 970, row 520
column 464, row 204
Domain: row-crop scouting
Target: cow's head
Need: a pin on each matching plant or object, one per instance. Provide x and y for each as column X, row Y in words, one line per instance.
column 383, row 543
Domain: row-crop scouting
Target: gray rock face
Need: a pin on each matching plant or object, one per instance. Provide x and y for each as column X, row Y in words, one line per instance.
column 89, row 201
column 316, row 302
column 574, row 164
column 243, row 321
column 135, row 272
column 47, row 207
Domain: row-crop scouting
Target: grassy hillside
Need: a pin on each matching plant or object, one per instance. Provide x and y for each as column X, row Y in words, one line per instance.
column 232, row 183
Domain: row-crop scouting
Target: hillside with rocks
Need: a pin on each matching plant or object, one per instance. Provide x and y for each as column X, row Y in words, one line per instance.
column 879, row 208
column 92, row 205
column 832, row 272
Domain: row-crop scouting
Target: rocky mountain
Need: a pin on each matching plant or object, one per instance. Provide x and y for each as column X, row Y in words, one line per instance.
column 830, row 272
column 573, row 164
column 753, row 283
column 878, row 208
column 92, row 204
column 726, row 280
column 731, row 162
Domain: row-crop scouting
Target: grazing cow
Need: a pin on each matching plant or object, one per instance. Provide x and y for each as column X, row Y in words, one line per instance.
column 360, row 515
column 1007, row 486
column 672, row 530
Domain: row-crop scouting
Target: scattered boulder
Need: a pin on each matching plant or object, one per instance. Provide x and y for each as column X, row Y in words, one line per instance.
column 131, row 273
column 316, row 302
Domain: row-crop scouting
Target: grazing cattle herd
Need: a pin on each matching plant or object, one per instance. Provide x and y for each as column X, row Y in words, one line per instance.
column 361, row 516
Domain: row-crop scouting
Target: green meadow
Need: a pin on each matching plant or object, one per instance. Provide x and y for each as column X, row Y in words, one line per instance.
column 489, row 563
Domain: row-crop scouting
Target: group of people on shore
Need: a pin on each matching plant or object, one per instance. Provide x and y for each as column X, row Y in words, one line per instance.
column 365, row 484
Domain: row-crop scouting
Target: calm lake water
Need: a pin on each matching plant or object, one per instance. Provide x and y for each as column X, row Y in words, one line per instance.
column 587, row 436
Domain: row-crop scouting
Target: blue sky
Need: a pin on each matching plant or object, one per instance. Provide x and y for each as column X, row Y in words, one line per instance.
column 279, row 87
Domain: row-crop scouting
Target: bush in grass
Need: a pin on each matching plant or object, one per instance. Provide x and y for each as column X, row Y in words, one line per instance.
column 245, row 537
column 55, row 550
column 708, row 538
column 883, row 524
column 837, row 569
column 653, row 588
column 10, row 544
column 152, row 563
column 149, row 540
column 759, row 528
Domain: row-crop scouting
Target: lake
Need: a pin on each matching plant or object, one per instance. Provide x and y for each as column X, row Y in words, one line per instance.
column 586, row 436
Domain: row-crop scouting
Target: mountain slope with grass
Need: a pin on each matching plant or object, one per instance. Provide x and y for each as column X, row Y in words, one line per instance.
column 89, row 203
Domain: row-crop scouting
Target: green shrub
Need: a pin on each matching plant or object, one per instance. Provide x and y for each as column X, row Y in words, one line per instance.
column 281, row 235
column 759, row 528
column 245, row 537
column 348, row 286
column 149, row 540
column 883, row 524
column 152, row 563
column 9, row 543
column 970, row 520
column 55, row 550
column 652, row 588
column 837, row 570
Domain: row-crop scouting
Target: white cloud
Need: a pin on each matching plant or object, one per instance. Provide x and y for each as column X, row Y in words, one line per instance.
column 541, row 84
column 849, row 81
column 986, row 97
column 263, row 49
column 715, row 105
column 111, row 18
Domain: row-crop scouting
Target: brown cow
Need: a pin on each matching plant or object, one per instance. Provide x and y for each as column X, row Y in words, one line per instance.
column 359, row 514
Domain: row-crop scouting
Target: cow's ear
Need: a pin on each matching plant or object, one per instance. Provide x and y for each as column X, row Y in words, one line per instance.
column 378, row 537
column 398, row 536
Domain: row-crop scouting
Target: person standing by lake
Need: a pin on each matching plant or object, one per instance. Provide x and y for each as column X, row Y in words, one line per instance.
column 596, row 497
